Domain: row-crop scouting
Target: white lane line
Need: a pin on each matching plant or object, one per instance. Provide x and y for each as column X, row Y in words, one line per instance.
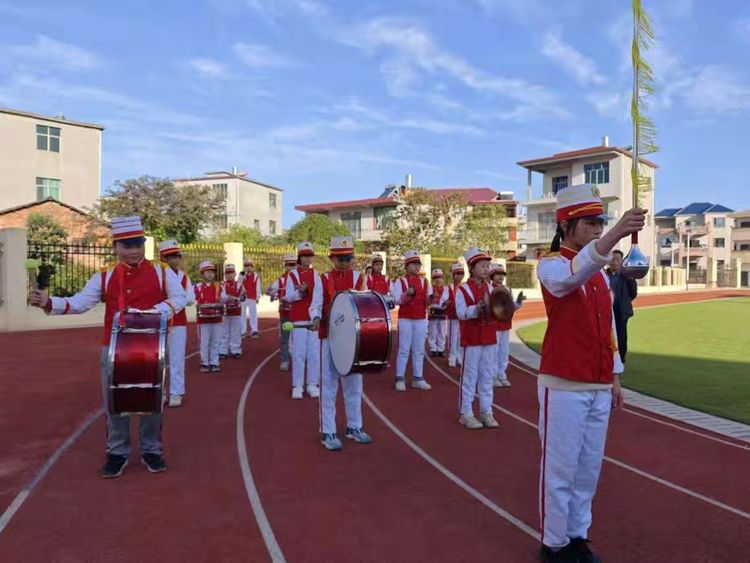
column 452, row 476
column 274, row 550
column 664, row 482
column 533, row 373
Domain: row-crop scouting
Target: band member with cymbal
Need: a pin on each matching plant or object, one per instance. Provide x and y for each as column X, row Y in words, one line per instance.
column 341, row 278
column 412, row 293
column 579, row 374
column 497, row 277
column 479, row 341
column 170, row 252
column 275, row 291
column 231, row 336
column 305, row 294
column 252, row 292
column 208, row 293
column 376, row 281
column 133, row 282
column 456, row 353
column 437, row 325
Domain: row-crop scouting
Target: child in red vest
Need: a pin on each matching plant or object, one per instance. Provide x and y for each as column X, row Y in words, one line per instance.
column 456, row 352
column 579, row 374
column 209, row 300
column 275, row 291
column 377, row 281
column 412, row 294
column 497, row 276
column 252, row 293
column 479, row 341
column 436, row 319
column 231, row 337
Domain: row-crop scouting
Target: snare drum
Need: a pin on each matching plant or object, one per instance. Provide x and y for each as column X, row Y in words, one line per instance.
column 233, row 308
column 136, row 362
column 436, row 313
column 359, row 332
column 210, row 311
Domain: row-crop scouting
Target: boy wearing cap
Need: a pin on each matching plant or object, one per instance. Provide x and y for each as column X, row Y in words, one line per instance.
column 456, row 352
column 497, row 276
column 170, row 252
column 275, row 291
column 412, row 294
column 436, row 320
column 231, row 328
column 252, row 292
column 209, row 292
column 376, row 281
column 305, row 295
column 341, row 278
column 132, row 282
column 479, row 341
column 579, row 373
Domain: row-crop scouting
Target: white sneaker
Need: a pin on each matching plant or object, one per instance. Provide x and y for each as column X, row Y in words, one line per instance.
column 284, row 366
column 470, row 422
column 421, row 384
column 497, row 382
column 488, row 421
column 451, row 364
column 297, row 392
column 313, row 391
column 175, row 400
column 400, row 385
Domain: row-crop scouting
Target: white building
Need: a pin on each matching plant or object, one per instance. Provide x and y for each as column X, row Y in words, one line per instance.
column 249, row 202
column 741, row 243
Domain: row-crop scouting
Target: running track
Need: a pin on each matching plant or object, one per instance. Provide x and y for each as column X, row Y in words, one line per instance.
column 425, row 490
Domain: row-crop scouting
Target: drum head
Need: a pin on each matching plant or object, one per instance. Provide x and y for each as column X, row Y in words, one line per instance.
column 343, row 332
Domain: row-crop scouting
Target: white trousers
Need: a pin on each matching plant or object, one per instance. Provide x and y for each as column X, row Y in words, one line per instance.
column 352, row 388
column 231, row 335
column 476, row 378
column 249, row 314
column 176, row 343
column 436, row 334
column 503, row 352
column 210, row 340
column 456, row 353
column 412, row 334
column 305, row 352
column 573, row 430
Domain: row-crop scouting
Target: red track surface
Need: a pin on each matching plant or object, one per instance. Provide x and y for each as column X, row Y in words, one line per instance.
column 367, row 503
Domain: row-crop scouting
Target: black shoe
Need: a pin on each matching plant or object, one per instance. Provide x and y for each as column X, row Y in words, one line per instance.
column 114, row 466
column 223, row 356
column 581, row 548
column 441, row 354
column 433, row 353
column 154, row 463
column 215, row 369
column 565, row 555
column 236, row 356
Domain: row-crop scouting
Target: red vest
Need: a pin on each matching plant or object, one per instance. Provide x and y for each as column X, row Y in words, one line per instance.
column 284, row 307
column 450, row 310
column 180, row 319
column 250, row 283
column 578, row 344
column 480, row 331
column 415, row 307
column 498, row 325
column 233, row 289
column 300, row 310
column 333, row 282
column 437, row 295
column 378, row 283
column 205, row 294
column 131, row 286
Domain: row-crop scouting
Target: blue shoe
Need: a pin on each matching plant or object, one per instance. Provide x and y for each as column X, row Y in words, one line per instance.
column 331, row 442
column 358, row 435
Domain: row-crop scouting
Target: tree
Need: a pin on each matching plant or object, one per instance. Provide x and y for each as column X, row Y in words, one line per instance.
column 43, row 229
column 167, row 211
column 484, row 226
column 316, row 228
column 249, row 237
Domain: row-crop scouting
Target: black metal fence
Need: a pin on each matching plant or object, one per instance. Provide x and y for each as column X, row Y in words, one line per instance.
column 69, row 266
column 194, row 254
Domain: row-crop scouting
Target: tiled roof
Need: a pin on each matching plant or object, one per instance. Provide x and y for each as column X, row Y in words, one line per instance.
column 580, row 153
column 669, row 212
column 36, row 203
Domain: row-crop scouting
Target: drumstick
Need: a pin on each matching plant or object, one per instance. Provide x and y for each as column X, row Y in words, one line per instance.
column 289, row 326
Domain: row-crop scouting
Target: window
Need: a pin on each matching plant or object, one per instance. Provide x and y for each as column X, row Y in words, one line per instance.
column 47, row 187
column 719, row 222
column 221, row 189
column 272, row 201
column 744, row 224
column 558, row 183
column 718, row 243
column 256, row 224
column 383, row 216
column 353, row 221
column 272, row 227
column 47, row 138
column 597, row 173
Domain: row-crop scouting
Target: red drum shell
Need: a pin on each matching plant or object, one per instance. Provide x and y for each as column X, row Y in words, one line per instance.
column 210, row 311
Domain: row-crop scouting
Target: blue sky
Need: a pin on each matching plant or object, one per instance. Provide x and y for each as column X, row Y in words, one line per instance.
column 333, row 100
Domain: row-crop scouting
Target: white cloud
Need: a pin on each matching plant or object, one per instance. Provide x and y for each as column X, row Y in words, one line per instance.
column 569, row 58
column 260, row 56
column 209, row 68
column 53, row 52
column 716, row 89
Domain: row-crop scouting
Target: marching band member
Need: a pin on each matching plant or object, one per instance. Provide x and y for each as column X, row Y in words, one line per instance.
column 132, row 282
column 305, row 294
column 479, row 342
column 497, row 276
column 376, row 281
column 412, row 294
column 170, row 252
column 275, row 291
column 252, row 292
column 231, row 335
column 579, row 373
column 209, row 292
column 436, row 319
column 341, row 278
column 455, row 356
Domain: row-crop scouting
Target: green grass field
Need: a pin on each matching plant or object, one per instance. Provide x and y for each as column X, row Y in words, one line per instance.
column 696, row 355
